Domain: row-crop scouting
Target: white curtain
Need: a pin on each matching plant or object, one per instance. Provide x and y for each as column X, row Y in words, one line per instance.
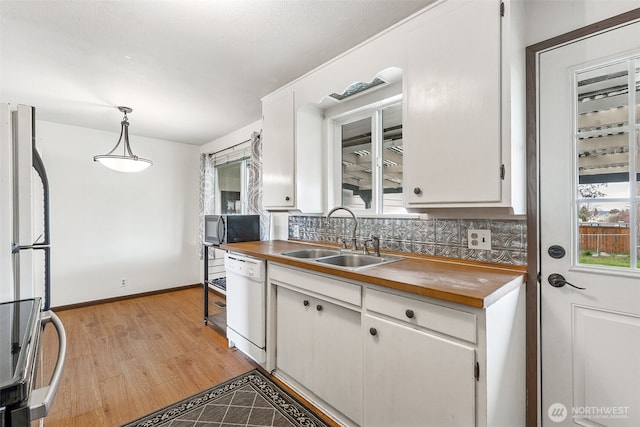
column 254, row 190
column 207, row 193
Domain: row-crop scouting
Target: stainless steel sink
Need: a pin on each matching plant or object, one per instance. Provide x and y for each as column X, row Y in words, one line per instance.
column 310, row 253
column 336, row 258
column 354, row 261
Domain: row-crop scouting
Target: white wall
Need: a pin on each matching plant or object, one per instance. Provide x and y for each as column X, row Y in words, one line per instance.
column 550, row 18
column 107, row 225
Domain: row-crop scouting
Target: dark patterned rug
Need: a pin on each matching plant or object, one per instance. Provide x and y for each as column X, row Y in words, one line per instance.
column 250, row 400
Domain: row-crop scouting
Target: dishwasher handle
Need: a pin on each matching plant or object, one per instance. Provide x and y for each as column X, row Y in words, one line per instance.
column 41, row 399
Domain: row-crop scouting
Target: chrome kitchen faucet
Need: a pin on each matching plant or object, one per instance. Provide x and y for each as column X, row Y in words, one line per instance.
column 354, row 243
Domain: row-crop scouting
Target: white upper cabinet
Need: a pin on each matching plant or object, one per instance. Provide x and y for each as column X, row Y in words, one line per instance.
column 464, row 136
column 278, row 150
column 462, row 65
column 292, row 154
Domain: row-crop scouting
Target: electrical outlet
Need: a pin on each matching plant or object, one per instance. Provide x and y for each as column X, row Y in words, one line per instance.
column 479, row 239
column 124, row 283
column 296, row 231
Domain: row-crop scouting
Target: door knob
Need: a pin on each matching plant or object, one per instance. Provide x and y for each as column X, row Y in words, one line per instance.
column 417, row 191
column 319, row 307
column 409, row 313
column 373, row 331
column 557, row 281
column 305, row 303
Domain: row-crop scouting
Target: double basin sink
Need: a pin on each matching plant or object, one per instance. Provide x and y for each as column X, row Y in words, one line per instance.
column 339, row 259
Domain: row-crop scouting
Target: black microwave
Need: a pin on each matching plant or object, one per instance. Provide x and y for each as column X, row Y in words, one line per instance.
column 219, row 229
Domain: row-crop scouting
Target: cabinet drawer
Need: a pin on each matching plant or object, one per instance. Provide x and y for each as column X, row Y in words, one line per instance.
column 321, row 285
column 455, row 323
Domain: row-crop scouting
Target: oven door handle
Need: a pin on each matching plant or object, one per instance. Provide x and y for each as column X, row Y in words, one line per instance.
column 41, row 398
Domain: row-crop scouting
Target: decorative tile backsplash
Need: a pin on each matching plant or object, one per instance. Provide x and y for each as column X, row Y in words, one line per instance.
column 441, row 237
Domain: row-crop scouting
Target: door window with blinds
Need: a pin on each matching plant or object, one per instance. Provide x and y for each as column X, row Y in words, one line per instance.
column 231, row 181
column 608, row 164
column 370, row 155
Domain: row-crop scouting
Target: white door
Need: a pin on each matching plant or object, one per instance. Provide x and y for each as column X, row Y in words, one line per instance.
column 589, row 200
column 416, row 379
column 278, row 152
column 294, row 335
column 452, row 114
column 337, row 357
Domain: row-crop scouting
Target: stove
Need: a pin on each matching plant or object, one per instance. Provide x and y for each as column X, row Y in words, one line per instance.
column 21, row 325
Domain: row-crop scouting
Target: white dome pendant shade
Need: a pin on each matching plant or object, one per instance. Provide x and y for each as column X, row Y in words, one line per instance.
column 127, row 161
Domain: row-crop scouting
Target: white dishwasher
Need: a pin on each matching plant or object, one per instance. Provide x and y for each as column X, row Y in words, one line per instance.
column 246, row 305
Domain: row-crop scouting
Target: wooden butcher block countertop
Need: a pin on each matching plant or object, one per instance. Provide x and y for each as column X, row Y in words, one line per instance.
column 470, row 283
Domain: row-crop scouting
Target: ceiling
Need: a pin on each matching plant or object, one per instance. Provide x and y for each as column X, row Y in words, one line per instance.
column 192, row 71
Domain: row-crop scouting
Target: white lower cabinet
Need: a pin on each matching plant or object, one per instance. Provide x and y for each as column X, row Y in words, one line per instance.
column 376, row 357
column 294, row 336
column 318, row 345
column 430, row 363
column 415, row 379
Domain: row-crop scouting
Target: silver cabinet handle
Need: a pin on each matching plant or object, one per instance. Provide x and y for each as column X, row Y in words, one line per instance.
column 40, row 399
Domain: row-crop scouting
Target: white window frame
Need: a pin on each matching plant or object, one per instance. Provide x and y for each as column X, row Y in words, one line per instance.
column 374, row 111
column 632, row 128
column 244, row 186
column 240, row 153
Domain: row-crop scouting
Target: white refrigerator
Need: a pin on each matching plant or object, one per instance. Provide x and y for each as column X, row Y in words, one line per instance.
column 24, row 209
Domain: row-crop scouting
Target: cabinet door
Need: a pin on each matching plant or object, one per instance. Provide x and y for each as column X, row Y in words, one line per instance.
column 338, row 358
column 453, row 98
column 294, row 335
column 414, row 379
column 278, row 152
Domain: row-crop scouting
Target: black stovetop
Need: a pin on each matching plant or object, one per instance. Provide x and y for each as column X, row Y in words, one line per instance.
column 19, row 333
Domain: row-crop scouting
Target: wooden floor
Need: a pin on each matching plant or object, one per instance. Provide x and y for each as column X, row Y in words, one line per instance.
column 131, row 357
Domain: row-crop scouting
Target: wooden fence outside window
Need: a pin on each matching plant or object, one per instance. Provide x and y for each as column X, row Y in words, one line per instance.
column 609, row 238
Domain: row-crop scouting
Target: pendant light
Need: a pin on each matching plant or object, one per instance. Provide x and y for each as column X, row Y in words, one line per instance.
column 127, row 161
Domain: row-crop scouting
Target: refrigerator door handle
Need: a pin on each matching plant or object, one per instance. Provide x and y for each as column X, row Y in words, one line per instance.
column 15, row 248
column 41, row 399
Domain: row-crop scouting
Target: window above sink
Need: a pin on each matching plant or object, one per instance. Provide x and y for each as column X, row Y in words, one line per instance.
column 369, row 158
column 364, row 140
